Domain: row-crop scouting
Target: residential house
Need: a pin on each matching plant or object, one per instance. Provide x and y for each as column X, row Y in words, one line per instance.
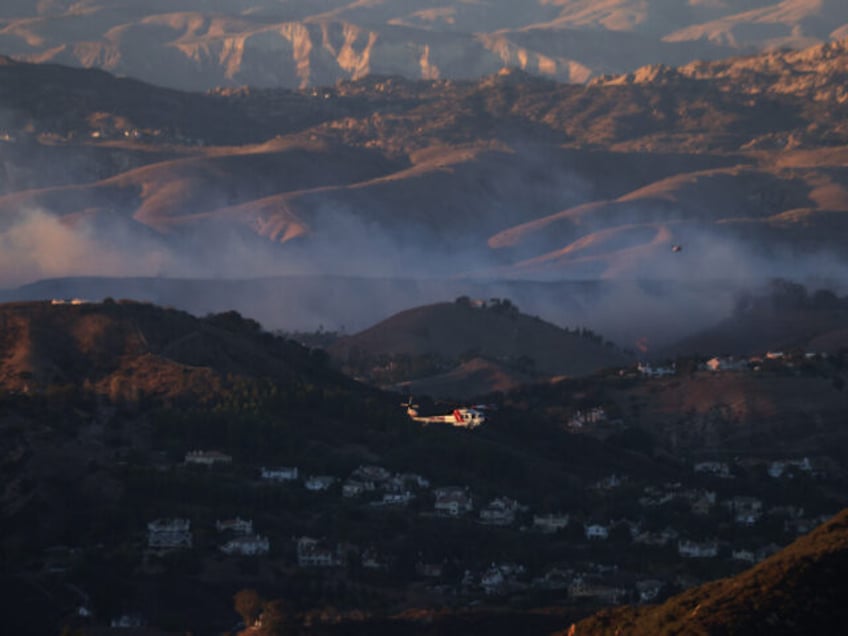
column 237, row 525
column 500, row 512
column 703, row 503
column 747, row 556
column 453, row 500
column 649, row 590
column 587, row 417
column 554, row 579
column 789, row 467
column 582, row 588
column 766, row 551
column 800, row 525
column 249, row 545
column 746, row 510
column 430, row 570
column 371, row 560
column 376, row 474
column 417, row 480
column 319, row 482
column 789, row 511
column 719, row 469
column 169, row 533
column 551, row 522
column 655, row 372
column 697, row 549
column 394, row 484
column 658, row 539
column 726, row 364
column 609, row 482
column 207, row 458
column 126, row 621
column 283, row 473
column 596, row 532
column 397, row 498
column 499, row 578
column 352, row 488
column 315, row 554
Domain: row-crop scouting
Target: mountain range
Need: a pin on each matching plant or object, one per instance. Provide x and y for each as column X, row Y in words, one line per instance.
column 506, row 177
column 200, row 44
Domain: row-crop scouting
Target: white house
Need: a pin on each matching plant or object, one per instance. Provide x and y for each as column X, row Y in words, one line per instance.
column 655, row 372
column 500, row 512
column 746, row 510
column 648, row 590
column 237, row 525
column 492, row 581
column 169, row 533
column 719, row 469
column 314, row 553
column 319, row 482
column 453, row 500
column 352, row 488
column 247, row 546
column 499, row 577
column 397, row 498
column 586, row 417
column 778, row 468
column 207, row 458
column 743, row 555
column 596, row 532
column 656, row 538
column 580, row 588
column 377, row 474
column 550, row 522
column 697, row 550
column 283, row 473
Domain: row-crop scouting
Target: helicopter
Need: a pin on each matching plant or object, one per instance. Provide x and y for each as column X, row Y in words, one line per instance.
column 460, row 417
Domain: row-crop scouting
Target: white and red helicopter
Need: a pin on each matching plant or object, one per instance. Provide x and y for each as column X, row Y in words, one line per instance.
column 461, row 417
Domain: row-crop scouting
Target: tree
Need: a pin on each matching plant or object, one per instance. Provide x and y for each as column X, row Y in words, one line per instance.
column 277, row 619
column 248, row 604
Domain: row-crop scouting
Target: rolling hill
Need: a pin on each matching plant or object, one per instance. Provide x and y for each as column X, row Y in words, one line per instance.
column 514, row 348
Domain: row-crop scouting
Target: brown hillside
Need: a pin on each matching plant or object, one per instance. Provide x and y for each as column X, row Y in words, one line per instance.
column 121, row 349
column 453, row 329
column 473, row 378
column 799, row 590
column 785, row 318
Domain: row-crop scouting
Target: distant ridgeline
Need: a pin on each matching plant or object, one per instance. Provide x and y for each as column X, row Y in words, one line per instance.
column 433, row 339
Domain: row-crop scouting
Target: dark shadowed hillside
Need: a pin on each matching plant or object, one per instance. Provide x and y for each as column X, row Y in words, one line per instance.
column 143, row 350
column 800, row 590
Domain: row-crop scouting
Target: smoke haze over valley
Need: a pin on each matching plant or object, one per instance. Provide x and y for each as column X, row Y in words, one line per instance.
column 740, row 163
